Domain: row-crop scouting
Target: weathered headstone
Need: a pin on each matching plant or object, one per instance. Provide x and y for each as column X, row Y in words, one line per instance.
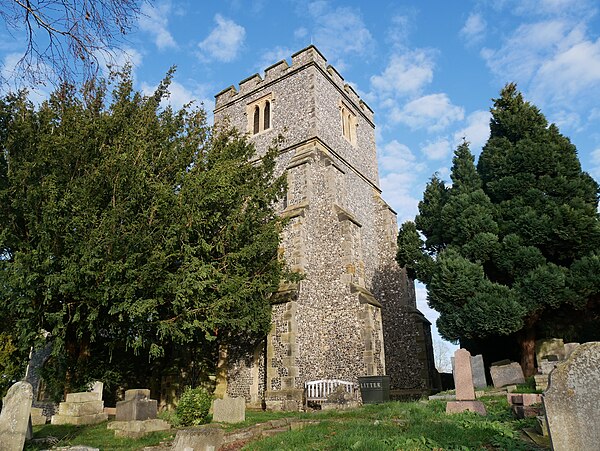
column 549, row 346
column 37, row 416
column 510, row 374
column 229, row 410
column 465, row 391
column 571, row 401
column 478, row 371
column 14, row 418
column 136, row 406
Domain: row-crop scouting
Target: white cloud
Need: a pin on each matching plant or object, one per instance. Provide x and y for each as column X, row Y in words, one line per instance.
column 401, row 171
column 396, row 192
column 398, row 33
column 224, row 41
column 437, row 150
column 339, row 32
column 181, row 95
column 522, row 54
column 476, row 132
column 569, row 72
column 405, row 74
column 273, row 56
column 396, row 157
column 300, row 33
column 154, row 20
column 474, row 29
column 433, row 112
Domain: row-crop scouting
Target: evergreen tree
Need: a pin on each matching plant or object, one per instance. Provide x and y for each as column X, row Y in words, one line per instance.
column 130, row 229
column 520, row 234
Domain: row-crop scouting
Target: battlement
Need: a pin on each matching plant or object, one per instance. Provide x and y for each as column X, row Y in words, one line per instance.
column 305, row 57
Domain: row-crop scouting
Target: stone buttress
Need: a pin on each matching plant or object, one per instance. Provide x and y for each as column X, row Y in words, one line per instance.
column 341, row 235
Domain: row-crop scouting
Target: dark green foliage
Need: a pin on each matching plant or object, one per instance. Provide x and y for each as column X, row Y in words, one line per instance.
column 193, row 406
column 515, row 239
column 128, row 229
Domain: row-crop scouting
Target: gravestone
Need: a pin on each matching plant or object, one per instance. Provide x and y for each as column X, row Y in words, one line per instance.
column 465, row 391
column 14, row 418
column 229, row 410
column 503, row 375
column 37, row 416
column 571, row 401
column 478, row 371
column 81, row 408
column 136, row 406
column 549, row 346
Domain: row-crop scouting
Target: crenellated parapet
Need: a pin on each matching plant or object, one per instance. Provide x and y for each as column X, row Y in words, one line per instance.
column 310, row 56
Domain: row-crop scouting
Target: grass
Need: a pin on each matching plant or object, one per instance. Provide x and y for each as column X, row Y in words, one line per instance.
column 97, row 436
column 409, row 426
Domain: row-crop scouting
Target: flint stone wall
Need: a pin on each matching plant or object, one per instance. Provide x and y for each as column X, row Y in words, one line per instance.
column 341, row 236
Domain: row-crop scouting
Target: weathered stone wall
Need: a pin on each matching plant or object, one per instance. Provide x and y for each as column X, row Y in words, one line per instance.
column 341, row 236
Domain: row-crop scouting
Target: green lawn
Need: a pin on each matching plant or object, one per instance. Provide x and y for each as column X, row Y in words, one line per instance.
column 389, row 426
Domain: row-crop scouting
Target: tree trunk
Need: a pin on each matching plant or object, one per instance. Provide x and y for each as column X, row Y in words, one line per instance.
column 527, row 343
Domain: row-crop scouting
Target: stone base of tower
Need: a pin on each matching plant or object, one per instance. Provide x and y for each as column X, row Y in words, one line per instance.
column 288, row 400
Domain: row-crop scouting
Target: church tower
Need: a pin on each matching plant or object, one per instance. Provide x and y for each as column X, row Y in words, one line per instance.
column 354, row 313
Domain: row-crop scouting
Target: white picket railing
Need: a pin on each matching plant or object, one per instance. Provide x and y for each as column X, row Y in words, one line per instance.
column 318, row 391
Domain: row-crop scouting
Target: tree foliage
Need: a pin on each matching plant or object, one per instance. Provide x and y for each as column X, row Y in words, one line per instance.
column 513, row 240
column 129, row 229
column 66, row 40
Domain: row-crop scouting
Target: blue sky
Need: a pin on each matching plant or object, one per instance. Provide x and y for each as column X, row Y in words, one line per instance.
column 428, row 69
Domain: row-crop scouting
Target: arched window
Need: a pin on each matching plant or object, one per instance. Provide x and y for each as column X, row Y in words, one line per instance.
column 348, row 124
column 256, row 120
column 267, row 115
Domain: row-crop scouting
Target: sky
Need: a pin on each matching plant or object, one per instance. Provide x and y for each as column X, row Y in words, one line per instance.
column 429, row 69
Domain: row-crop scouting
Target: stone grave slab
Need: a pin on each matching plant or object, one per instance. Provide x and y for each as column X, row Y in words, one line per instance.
column 229, row 410
column 138, row 428
column 510, row 374
column 205, row 438
column 571, row 401
column 466, row 406
column 14, row 418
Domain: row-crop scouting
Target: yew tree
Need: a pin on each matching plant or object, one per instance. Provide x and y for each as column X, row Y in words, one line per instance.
column 512, row 245
column 129, row 229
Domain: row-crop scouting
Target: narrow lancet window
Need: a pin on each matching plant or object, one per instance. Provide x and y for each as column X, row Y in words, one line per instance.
column 267, row 115
column 256, row 120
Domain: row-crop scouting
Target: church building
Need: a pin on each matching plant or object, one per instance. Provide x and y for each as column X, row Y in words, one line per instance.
column 354, row 313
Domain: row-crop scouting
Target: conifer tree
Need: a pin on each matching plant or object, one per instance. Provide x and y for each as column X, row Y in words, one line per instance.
column 519, row 232
column 127, row 228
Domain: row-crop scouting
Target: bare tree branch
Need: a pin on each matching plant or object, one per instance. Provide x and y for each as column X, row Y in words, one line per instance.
column 65, row 40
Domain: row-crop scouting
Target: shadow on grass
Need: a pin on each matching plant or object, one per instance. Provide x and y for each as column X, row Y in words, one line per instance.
column 97, row 436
